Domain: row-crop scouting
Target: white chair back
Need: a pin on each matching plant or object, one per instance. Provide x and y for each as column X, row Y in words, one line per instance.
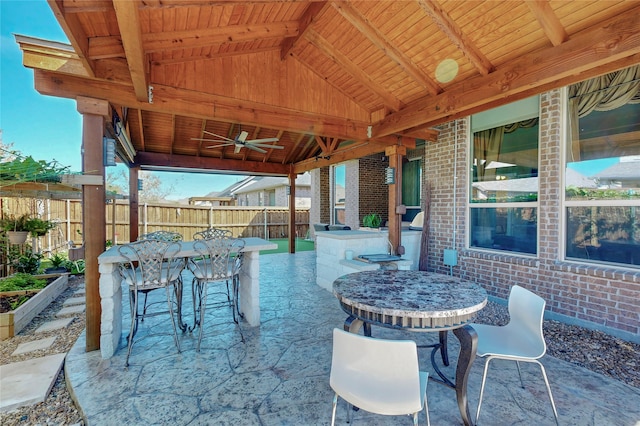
column 376, row 375
column 526, row 312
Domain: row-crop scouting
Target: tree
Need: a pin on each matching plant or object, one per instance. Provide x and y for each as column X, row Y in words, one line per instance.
column 154, row 189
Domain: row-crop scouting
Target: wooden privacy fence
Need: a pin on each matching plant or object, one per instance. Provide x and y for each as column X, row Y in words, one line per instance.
column 246, row 221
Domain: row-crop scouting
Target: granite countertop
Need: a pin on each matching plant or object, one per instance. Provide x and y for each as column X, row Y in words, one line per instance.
column 414, row 294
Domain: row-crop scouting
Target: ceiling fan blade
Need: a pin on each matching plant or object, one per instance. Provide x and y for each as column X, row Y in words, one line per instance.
column 242, row 137
column 221, row 145
column 208, row 140
column 217, row 136
column 255, row 148
column 265, row 145
column 263, row 140
column 237, row 148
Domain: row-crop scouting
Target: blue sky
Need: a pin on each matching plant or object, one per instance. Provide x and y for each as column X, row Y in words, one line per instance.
column 49, row 128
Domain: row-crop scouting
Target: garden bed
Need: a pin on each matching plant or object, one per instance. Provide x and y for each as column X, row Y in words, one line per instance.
column 12, row 321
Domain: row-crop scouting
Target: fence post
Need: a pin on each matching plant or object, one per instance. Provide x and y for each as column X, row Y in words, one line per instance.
column 266, row 236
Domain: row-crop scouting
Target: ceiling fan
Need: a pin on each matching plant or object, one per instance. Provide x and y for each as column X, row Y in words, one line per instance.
column 241, row 141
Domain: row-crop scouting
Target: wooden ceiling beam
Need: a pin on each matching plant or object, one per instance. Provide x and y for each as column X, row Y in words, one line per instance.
column 389, row 100
column 548, row 20
column 351, row 152
column 111, row 46
column 307, row 18
column 157, row 161
column 189, row 103
column 72, row 28
column 362, row 24
column 290, row 154
column 608, row 47
column 131, row 36
column 455, row 34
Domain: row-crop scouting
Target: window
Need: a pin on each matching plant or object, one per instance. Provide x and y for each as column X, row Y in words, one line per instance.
column 602, row 173
column 504, row 180
column 412, row 187
column 338, row 190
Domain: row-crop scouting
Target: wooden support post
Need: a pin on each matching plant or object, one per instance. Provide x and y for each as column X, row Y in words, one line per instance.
column 134, row 218
column 94, row 218
column 292, row 213
column 395, row 154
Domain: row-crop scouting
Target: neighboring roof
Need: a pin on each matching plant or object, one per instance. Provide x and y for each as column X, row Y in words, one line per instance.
column 625, row 170
column 259, row 183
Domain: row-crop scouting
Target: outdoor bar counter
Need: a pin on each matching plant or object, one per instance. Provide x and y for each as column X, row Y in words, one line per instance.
column 111, row 289
column 332, row 246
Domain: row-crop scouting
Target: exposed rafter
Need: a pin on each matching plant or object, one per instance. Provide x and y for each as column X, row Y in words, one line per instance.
column 360, row 22
column 344, row 62
column 129, row 24
column 548, row 21
column 309, row 15
column 457, row 37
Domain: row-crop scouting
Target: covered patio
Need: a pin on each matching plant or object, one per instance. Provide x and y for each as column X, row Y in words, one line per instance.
column 188, row 85
column 280, row 375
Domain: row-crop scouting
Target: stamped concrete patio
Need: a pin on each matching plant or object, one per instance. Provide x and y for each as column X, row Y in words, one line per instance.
column 280, row 374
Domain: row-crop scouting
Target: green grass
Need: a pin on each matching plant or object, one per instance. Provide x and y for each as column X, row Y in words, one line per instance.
column 283, row 246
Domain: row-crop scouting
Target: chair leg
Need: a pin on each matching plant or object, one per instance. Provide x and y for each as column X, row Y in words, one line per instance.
column 133, row 302
column 426, row 409
column 173, row 320
column 202, row 288
column 546, row 382
column 333, row 411
column 196, row 295
column 520, row 374
column 484, row 378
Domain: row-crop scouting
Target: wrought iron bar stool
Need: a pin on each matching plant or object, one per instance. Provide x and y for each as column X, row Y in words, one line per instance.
column 168, row 236
column 210, row 233
column 216, row 262
column 150, row 265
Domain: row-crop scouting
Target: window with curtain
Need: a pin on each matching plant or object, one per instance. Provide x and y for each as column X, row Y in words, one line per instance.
column 602, row 173
column 504, row 181
column 338, row 189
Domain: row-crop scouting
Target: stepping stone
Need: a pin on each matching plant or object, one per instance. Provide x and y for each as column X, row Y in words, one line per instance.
column 54, row 325
column 28, row 382
column 70, row 310
column 79, row 292
column 74, row 301
column 34, row 345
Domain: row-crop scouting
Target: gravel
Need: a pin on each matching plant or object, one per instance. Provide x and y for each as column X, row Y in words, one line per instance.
column 591, row 349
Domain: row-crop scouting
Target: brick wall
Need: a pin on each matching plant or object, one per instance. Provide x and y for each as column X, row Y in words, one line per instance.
column 374, row 193
column 598, row 297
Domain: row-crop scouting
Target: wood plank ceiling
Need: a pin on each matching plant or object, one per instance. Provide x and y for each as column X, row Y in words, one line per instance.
column 330, row 80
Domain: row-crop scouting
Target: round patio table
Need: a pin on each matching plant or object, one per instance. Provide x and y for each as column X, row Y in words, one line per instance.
column 416, row 301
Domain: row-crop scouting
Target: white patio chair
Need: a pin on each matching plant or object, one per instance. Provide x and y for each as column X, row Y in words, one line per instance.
column 214, row 263
column 150, row 265
column 377, row 375
column 521, row 339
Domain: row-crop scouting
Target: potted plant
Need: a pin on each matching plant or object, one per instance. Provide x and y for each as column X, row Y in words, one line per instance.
column 372, row 220
column 39, row 227
column 16, row 227
column 58, row 265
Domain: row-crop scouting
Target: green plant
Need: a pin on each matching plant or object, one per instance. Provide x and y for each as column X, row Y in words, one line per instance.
column 21, row 281
column 372, row 220
column 39, row 227
column 58, row 261
column 17, row 301
column 11, row 222
column 27, row 262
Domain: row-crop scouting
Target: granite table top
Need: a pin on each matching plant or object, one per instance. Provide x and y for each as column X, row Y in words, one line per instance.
column 409, row 299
